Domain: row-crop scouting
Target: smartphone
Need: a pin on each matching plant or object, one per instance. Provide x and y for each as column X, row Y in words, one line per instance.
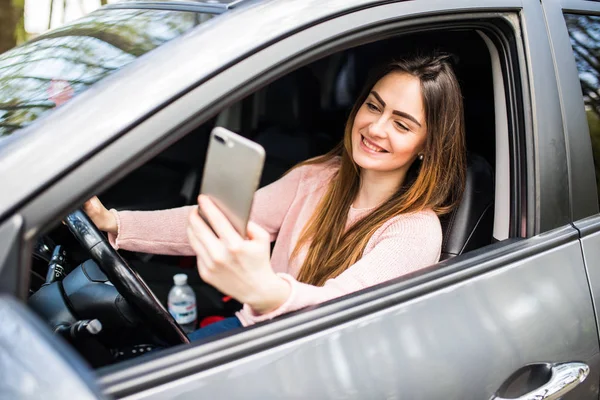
column 231, row 175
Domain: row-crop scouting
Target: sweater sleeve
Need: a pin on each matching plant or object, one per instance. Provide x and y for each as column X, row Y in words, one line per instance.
column 164, row 231
column 272, row 202
column 405, row 244
column 155, row 232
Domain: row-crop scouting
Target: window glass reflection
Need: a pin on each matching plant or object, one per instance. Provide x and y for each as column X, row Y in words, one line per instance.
column 53, row 68
column 584, row 31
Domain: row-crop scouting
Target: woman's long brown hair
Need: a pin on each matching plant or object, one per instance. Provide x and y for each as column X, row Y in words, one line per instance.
column 435, row 183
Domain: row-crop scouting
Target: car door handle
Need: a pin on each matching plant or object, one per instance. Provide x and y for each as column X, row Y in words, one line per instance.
column 551, row 381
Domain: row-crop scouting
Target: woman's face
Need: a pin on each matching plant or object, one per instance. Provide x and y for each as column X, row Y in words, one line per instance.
column 389, row 129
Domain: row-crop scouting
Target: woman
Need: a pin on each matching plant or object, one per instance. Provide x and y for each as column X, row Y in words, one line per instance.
column 362, row 214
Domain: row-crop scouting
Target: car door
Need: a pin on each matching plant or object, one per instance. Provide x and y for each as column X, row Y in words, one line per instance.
column 513, row 318
column 575, row 32
column 519, row 308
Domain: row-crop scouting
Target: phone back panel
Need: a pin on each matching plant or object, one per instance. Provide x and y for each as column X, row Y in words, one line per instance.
column 231, row 175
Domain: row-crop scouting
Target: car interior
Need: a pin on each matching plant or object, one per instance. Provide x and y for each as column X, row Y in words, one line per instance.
column 296, row 117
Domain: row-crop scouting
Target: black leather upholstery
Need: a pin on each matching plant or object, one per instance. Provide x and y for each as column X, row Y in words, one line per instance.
column 470, row 225
column 290, row 131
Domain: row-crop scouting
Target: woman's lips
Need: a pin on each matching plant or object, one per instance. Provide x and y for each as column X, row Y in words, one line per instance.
column 371, row 147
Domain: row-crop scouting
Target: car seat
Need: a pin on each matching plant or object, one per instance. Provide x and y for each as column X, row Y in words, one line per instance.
column 290, row 129
column 470, row 225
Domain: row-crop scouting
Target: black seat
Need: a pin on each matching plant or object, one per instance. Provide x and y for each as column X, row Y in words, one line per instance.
column 470, row 225
column 290, row 128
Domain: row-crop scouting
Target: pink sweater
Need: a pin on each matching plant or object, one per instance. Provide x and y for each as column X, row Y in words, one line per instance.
column 403, row 244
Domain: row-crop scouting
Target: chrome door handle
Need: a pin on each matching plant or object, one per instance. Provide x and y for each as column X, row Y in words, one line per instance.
column 564, row 377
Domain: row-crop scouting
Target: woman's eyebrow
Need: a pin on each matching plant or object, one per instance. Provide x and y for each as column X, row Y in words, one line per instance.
column 399, row 113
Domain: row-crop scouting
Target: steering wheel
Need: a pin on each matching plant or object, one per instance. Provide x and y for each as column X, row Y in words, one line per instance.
column 129, row 284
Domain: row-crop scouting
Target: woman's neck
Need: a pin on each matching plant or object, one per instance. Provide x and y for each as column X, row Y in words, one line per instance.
column 377, row 187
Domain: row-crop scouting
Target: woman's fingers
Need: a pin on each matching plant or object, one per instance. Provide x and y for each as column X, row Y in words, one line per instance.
column 204, row 261
column 90, row 206
column 219, row 223
column 202, row 232
column 102, row 218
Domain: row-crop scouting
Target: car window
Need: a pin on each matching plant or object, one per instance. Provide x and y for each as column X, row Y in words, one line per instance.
column 49, row 70
column 584, row 31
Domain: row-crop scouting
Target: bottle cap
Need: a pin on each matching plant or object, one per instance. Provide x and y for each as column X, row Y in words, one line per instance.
column 180, row 279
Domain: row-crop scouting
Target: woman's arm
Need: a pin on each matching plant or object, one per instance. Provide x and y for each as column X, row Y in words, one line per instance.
column 407, row 243
column 164, row 231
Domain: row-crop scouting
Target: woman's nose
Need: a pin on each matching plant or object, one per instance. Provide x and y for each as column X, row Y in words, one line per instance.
column 377, row 127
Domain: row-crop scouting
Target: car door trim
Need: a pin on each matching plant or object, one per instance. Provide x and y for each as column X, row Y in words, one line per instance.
column 588, row 226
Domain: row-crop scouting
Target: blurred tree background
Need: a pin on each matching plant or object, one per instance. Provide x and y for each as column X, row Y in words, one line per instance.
column 21, row 20
column 12, row 23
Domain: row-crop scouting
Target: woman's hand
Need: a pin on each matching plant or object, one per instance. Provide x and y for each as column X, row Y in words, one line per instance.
column 100, row 216
column 236, row 266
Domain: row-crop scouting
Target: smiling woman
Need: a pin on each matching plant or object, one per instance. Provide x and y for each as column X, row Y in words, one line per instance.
column 379, row 205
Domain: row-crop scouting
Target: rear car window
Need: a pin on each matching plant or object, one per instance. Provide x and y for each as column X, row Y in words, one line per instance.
column 53, row 68
column 584, row 31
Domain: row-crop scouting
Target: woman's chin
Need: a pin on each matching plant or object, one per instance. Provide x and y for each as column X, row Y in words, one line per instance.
column 367, row 161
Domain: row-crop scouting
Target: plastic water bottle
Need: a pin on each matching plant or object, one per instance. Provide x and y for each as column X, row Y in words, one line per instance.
column 182, row 303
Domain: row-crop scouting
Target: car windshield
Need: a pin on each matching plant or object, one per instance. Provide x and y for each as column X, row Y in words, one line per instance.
column 51, row 69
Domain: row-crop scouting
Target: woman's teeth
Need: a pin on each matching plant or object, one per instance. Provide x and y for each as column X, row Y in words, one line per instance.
column 372, row 147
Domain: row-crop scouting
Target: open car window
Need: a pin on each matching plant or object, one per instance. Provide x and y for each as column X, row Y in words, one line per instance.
column 53, row 68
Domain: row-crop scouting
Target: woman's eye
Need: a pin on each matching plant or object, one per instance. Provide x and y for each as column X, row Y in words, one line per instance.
column 372, row 107
column 401, row 126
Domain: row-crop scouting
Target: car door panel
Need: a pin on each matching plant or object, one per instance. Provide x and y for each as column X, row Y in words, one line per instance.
column 459, row 342
column 590, row 242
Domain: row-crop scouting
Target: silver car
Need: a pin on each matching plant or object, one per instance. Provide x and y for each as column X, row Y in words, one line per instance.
column 120, row 104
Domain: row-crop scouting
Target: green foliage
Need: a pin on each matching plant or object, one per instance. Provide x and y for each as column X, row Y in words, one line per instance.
column 19, row 12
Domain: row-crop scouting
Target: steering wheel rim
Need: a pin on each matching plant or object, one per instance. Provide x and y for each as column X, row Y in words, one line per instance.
column 128, row 283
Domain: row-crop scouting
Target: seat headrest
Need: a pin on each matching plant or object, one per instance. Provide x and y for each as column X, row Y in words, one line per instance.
column 470, row 225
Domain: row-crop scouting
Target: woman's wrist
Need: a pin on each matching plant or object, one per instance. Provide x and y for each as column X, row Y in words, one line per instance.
column 273, row 293
column 112, row 225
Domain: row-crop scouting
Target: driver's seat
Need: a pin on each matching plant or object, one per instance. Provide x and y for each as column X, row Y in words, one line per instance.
column 470, row 225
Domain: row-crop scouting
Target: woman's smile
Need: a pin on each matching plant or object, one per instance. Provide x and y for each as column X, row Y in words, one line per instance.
column 370, row 147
